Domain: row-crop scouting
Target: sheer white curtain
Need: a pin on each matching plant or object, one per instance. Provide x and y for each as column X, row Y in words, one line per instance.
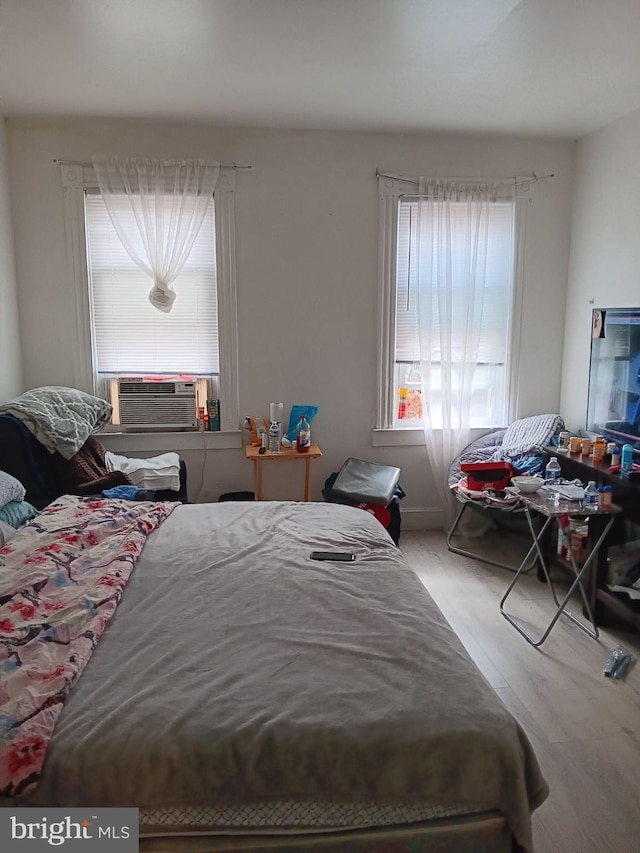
column 169, row 200
column 463, row 312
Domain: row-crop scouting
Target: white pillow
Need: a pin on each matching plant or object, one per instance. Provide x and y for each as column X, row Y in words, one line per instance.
column 10, row 489
column 6, row 532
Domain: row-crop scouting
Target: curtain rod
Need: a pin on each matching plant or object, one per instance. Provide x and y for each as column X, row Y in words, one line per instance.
column 517, row 183
column 90, row 165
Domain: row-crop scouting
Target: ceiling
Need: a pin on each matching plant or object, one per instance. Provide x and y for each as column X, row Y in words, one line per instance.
column 545, row 67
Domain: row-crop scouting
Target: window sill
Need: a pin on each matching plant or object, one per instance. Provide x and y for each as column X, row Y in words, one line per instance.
column 168, row 441
column 397, row 437
column 410, row 436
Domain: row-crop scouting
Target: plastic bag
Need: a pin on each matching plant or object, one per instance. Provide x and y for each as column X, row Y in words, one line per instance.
column 618, row 663
column 621, row 559
column 257, row 427
column 294, row 417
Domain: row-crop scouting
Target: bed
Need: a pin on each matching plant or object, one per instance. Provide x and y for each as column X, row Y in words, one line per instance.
column 245, row 697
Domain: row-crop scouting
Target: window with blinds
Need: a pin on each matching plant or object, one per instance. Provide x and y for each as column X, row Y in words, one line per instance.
column 493, row 308
column 130, row 336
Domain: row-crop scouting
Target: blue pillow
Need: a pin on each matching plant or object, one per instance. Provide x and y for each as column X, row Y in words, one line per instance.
column 17, row 513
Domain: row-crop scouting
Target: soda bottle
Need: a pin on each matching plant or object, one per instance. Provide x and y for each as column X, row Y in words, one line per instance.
column 303, row 435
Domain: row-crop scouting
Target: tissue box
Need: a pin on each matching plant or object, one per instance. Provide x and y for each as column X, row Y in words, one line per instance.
column 487, row 475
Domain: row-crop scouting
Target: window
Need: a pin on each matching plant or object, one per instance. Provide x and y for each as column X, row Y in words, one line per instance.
column 407, row 256
column 120, row 332
column 130, row 336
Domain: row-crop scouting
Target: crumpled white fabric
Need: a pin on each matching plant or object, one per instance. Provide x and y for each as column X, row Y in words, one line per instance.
column 156, row 472
column 162, row 298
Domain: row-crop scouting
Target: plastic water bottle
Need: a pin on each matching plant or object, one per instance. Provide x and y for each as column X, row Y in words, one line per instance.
column 591, row 495
column 552, row 471
column 274, row 437
column 303, row 435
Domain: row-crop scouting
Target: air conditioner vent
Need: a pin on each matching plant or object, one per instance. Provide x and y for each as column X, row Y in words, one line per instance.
column 157, row 404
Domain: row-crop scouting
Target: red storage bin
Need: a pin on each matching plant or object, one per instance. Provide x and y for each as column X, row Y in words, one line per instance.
column 487, row 475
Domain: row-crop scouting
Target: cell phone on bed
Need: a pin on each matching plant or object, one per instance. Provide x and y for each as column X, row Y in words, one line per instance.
column 340, row 556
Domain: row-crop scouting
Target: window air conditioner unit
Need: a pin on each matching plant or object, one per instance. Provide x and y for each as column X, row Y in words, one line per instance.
column 156, row 404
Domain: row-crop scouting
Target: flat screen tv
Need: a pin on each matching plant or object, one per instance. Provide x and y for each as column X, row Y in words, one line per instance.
column 613, row 405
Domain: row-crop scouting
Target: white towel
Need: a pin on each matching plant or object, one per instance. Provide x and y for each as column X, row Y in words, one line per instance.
column 157, row 472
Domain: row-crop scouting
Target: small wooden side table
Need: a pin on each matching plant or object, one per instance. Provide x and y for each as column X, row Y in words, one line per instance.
column 285, row 454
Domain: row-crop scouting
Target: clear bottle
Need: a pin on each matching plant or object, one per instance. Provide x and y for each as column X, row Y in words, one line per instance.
column 303, row 435
column 564, row 527
column 552, row 471
column 591, row 494
column 274, row 437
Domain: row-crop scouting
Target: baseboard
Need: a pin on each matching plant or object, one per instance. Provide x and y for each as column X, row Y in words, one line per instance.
column 422, row 518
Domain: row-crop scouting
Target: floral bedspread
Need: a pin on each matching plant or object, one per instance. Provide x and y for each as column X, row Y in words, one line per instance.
column 61, row 578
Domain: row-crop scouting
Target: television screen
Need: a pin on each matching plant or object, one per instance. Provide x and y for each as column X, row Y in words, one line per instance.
column 613, row 404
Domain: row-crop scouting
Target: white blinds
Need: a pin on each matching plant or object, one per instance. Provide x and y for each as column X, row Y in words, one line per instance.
column 130, row 335
column 495, row 304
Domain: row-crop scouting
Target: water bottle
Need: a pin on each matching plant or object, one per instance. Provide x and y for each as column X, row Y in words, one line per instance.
column 591, row 495
column 626, row 462
column 303, row 435
column 552, row 471
column 274, row 437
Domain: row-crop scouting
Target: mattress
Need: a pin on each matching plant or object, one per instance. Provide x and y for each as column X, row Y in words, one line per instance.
column 241, row 686
column 288, row 815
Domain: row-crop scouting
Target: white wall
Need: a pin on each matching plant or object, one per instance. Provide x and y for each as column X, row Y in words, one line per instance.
column 10, row 355
column 307, row 277
column 604, row 267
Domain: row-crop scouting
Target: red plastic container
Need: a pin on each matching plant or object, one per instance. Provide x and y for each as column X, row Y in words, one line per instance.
column 487, row 475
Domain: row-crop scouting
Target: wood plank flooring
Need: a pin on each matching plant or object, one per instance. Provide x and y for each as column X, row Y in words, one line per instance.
column 585, row 728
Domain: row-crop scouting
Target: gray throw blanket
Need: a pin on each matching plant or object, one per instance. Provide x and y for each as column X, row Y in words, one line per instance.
column 60, row 418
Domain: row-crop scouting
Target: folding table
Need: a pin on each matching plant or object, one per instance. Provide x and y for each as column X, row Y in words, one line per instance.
column 600, row 521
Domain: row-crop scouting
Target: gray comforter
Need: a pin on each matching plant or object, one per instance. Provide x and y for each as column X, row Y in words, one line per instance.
column 236, row 669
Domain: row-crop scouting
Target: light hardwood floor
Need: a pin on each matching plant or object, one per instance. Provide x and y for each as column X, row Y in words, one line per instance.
column 585, row 728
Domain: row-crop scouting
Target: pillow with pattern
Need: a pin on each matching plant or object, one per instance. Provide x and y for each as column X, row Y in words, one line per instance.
column 10, row 489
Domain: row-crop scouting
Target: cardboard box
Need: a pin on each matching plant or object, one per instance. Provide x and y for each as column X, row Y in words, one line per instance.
column 213, row 411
